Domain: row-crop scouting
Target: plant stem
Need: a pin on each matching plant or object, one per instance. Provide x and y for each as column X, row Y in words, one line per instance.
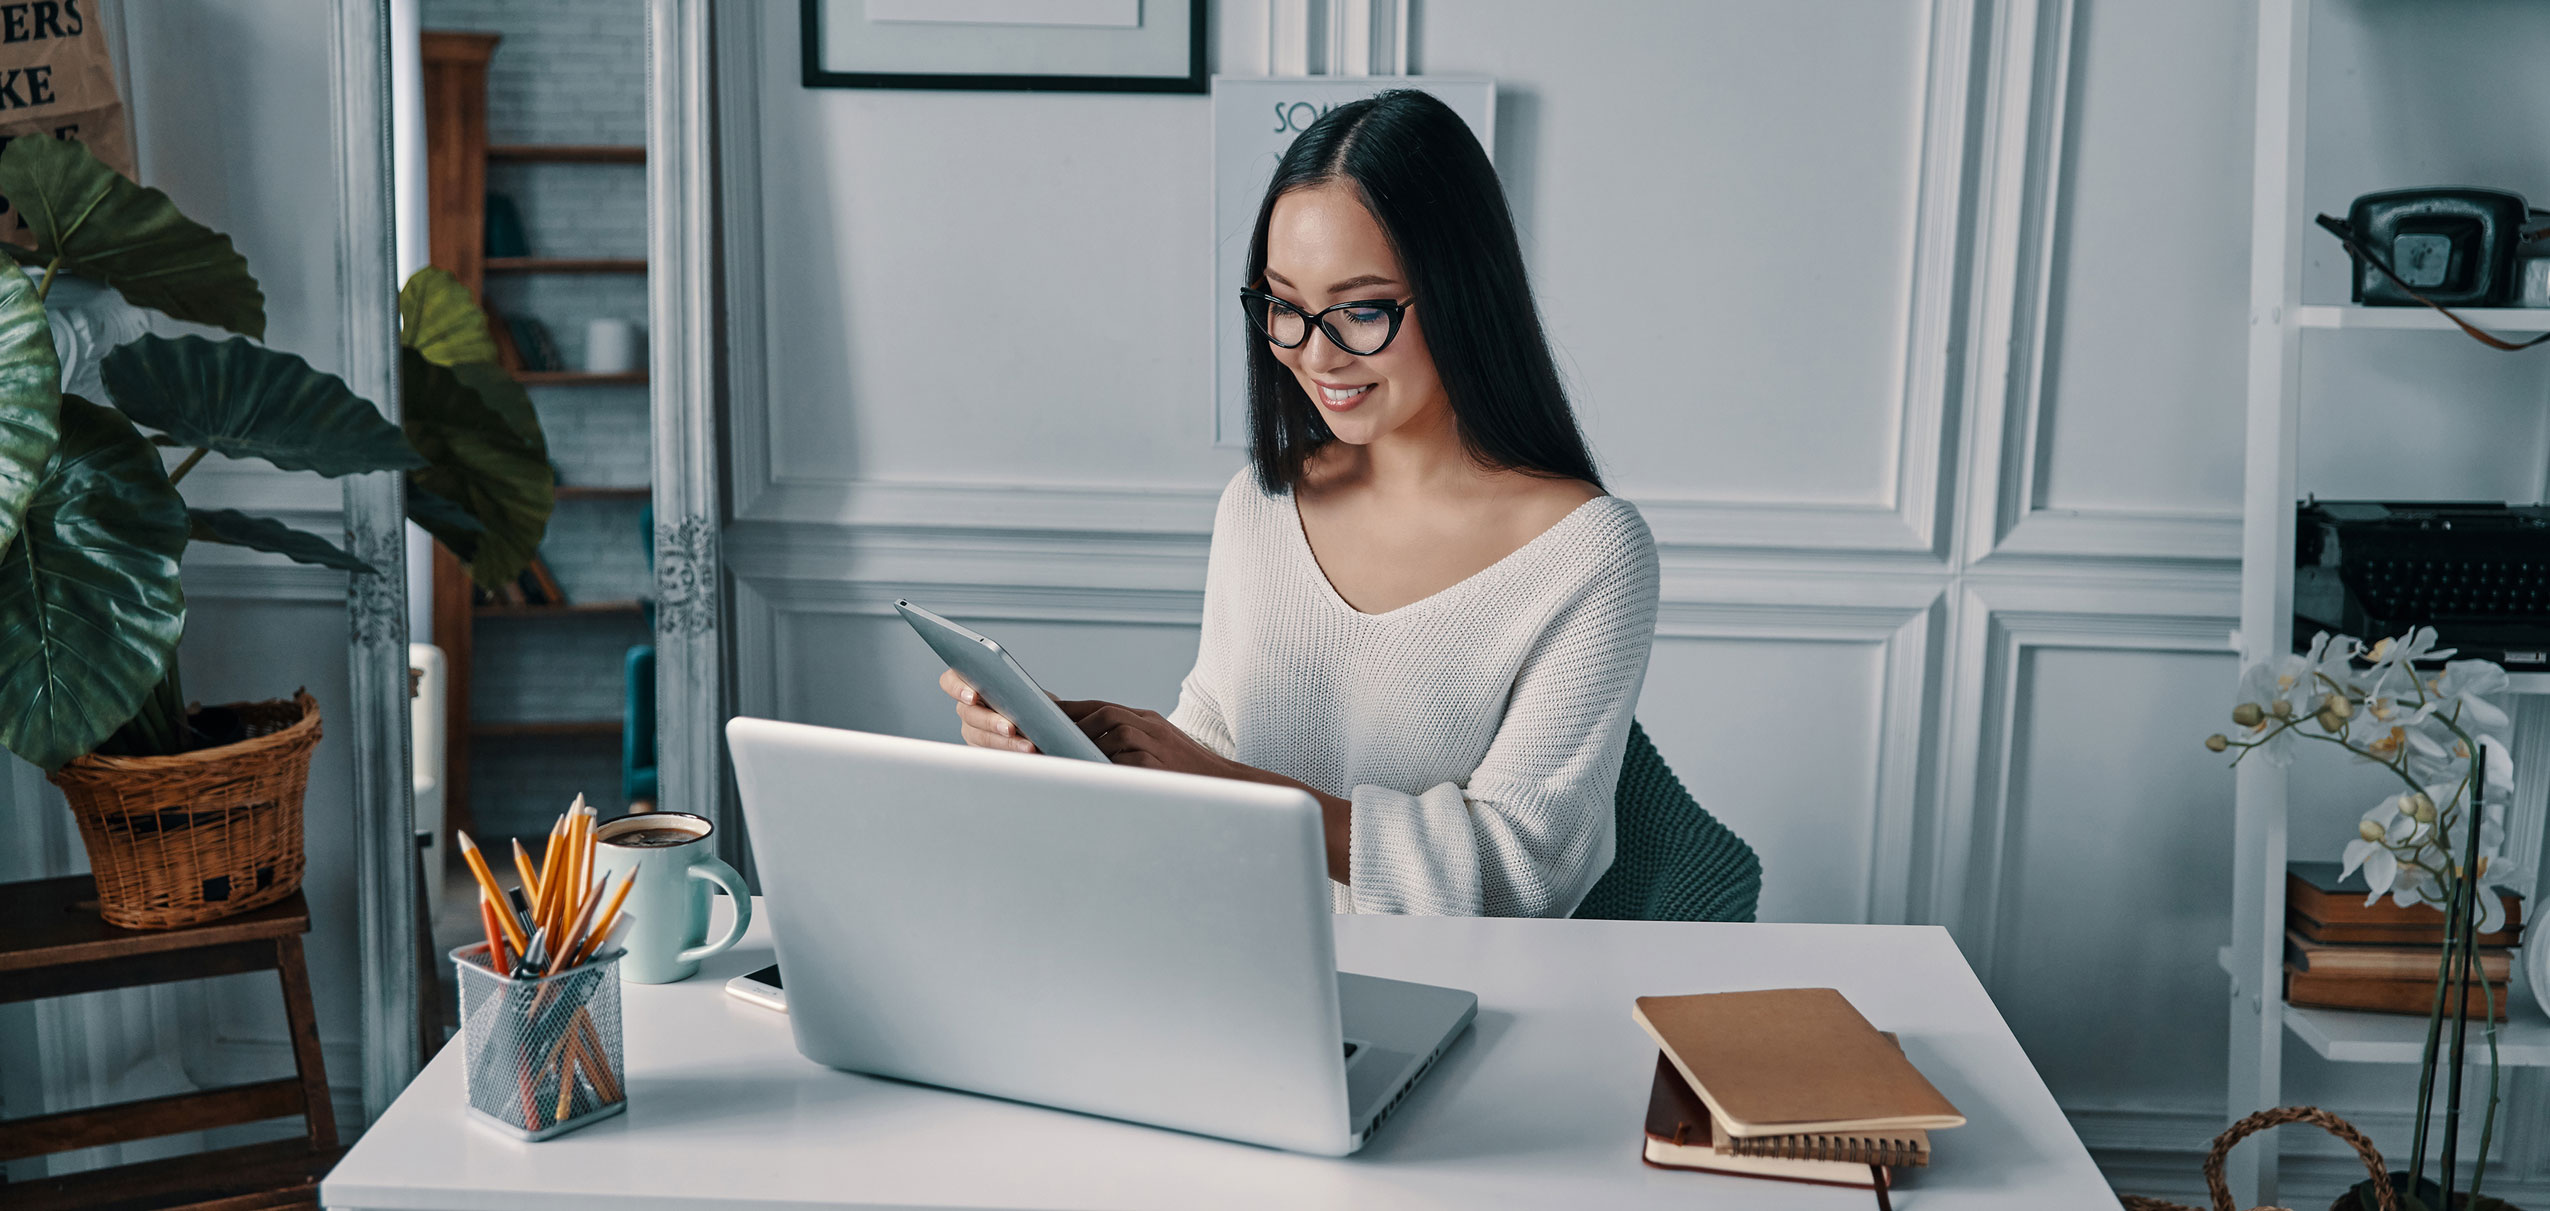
column 186, row 466
column 2462, row 936
column 2426, row 1064
column 2487, row 1117
column 45, row 286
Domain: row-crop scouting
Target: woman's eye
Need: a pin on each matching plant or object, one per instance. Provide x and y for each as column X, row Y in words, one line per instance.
column 1366, row 315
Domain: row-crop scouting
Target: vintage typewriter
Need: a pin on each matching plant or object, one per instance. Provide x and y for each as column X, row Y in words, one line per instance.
column 2479, row 573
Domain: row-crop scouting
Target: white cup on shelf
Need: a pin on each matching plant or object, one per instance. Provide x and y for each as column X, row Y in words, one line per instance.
column 613, row 346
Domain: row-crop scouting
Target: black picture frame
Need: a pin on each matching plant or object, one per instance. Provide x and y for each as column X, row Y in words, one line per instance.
column 810, row 44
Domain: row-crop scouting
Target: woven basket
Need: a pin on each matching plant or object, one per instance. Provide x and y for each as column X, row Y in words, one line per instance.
column 201, row 835
column 2220, row 1189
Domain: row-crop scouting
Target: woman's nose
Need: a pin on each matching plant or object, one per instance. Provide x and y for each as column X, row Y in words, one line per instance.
column 1321, row 355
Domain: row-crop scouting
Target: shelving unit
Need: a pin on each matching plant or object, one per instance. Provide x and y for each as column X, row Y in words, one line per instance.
column 2276, row 418
column 459, row 155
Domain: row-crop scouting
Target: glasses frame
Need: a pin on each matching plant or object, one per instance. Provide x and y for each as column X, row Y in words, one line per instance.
column 1398, row 309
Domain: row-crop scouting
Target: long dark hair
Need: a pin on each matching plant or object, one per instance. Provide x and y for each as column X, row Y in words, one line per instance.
column 1428, row 183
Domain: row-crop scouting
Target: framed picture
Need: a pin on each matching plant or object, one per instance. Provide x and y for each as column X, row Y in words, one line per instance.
column 1037, row 45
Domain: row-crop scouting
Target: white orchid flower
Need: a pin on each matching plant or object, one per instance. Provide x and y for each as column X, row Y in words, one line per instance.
column 2394, row 672
column 2494, row 878
column 2465, row 683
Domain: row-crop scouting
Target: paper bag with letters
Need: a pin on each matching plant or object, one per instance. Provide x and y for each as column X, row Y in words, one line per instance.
column 57, row 79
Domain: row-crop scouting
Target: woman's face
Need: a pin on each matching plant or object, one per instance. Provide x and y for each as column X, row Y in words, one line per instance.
column 1324, row 248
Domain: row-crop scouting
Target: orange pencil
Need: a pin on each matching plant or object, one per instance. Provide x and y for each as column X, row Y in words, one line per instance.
column 549, row 872
column 575, row 935
column 523, row 868
column 487, row 884
column 495, row 937
column 610, row 916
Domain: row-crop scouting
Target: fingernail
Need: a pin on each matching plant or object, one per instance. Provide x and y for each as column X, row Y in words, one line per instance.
column 1008, row 728
column 1020, row 745
column 965, row 696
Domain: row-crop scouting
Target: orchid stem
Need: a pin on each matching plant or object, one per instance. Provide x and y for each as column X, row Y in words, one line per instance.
column 45, row 285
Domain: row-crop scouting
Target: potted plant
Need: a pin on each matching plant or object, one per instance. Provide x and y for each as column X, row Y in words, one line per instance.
column 194, row 813
column 2438, row 841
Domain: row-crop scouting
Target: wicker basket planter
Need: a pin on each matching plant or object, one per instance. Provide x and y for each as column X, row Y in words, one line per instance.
column 201, row 835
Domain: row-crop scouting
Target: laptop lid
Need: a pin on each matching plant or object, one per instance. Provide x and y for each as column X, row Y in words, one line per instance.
column 1126, row 942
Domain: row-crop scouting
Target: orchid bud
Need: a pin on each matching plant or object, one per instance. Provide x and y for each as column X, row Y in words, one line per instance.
column 2247, row 714
column 2218, row 742
column 2280, row 708
column 2338, row 705
column 2419, row 807
column 2330, row 721
column 2369, row 831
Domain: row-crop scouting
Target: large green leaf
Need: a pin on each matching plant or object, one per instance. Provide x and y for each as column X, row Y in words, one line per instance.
column 480, row 461
column 239, row 529
column 436, row 317
column 104, row 226
column 30, row 396
column 90, row 605
column 242, row 399
column 501, row 393
column 443, row 518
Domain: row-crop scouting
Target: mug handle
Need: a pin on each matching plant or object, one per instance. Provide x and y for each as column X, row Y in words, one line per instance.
column 719, row 873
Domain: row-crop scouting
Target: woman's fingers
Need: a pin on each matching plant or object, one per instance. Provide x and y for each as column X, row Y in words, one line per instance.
column 986, row 719
column 980, row 738
column 958, row 687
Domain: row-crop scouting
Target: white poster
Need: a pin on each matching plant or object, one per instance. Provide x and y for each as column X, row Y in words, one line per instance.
column 1255, row 118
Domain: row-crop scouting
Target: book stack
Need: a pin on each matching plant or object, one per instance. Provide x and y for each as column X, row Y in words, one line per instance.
column 2341, row 953
column 1790, row 1084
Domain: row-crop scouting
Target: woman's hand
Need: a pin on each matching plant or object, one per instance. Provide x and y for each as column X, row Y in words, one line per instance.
column 1146, row 738
column 983, row 727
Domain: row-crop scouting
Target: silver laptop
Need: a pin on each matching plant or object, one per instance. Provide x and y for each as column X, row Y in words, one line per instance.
column 1125, row 942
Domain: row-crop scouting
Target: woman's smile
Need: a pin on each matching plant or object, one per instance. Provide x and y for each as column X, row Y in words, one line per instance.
column 1342, row 397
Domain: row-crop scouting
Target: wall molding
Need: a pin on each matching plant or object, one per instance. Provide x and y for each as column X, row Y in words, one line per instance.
column 1998, row 626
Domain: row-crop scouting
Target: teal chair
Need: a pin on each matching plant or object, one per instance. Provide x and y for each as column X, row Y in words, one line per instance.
column 1671, row 859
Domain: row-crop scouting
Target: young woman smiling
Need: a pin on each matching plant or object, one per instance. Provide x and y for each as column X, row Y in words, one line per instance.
column 1420, row 605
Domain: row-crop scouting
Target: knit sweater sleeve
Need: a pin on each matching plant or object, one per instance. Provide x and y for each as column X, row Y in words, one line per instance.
column 1200, row 713
column 1531, row 830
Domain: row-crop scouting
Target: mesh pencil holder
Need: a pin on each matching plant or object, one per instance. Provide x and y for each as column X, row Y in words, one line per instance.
column 542, row 1055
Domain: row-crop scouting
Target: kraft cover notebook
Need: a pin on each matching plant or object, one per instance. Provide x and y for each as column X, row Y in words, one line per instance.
column 1680, row 1135
column 1792, row 1061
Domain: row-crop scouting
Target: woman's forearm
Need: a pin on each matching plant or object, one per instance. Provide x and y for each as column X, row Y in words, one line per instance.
column 1336, row 816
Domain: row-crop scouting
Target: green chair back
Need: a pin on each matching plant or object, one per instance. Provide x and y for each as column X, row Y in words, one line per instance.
column 1671, row 859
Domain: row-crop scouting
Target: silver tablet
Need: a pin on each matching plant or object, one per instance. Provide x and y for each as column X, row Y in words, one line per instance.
column 1004, row 685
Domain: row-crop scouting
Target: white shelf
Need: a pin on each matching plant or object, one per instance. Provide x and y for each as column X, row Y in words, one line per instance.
column 2523, row 1039
column 2528, row 683
column 2348, row 315
column 2351, row 1037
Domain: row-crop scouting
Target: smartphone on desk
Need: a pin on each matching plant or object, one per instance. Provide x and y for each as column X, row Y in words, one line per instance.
column 760, row 988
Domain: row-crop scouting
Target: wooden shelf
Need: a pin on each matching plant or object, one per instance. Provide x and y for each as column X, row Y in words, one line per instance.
column 578, row 608
column 578, row 378
column 555, row 727
column 564, row 153
column 2427, row 319
column 565, row 264
column 597, row 492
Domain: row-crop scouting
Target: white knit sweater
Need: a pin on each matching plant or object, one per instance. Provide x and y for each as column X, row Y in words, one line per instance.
column 1478, row 732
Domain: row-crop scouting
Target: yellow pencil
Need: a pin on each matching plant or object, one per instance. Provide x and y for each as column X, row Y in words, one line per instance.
column 549, row 871
column 487, row 883
column 530, row 877
column 601, row 930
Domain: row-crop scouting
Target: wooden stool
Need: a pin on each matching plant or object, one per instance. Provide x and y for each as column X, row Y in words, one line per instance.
column 53, row 944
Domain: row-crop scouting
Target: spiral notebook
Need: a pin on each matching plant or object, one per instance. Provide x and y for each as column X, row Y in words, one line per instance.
column 1681, row 1134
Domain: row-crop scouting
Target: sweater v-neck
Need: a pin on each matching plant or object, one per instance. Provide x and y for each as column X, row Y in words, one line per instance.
column 1328, row 588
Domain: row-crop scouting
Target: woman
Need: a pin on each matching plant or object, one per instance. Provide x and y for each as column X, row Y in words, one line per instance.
column 1420, row 605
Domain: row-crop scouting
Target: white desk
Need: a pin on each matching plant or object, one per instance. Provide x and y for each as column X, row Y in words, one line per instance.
column 1538, row 1106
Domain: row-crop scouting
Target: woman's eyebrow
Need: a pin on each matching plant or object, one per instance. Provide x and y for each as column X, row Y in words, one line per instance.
column 1358, row 283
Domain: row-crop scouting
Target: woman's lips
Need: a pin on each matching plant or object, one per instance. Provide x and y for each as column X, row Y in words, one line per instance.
column 1342, row 398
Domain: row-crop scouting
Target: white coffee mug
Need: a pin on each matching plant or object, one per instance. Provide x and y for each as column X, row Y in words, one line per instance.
column 667, row 853
column 613, row 346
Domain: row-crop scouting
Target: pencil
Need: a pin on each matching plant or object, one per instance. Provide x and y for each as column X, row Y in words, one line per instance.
column 495, row 936
column 610, row 917
column 549, row 870
column 523, row 868
column 574, row 942
column 487, row 883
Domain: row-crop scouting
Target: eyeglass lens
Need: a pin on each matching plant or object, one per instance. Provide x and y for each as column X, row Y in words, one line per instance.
column 1357, row 330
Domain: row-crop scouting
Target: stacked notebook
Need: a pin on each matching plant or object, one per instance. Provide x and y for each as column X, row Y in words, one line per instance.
column 2341, row 953
column 1789, row 1083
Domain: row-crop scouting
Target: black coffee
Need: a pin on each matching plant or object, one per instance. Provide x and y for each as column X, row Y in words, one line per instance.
column 654, row 838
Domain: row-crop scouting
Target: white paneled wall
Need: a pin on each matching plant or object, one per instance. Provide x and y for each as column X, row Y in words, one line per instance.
column 1916, row 329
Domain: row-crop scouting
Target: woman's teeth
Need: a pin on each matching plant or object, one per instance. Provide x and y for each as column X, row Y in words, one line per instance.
column 1343, row 397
